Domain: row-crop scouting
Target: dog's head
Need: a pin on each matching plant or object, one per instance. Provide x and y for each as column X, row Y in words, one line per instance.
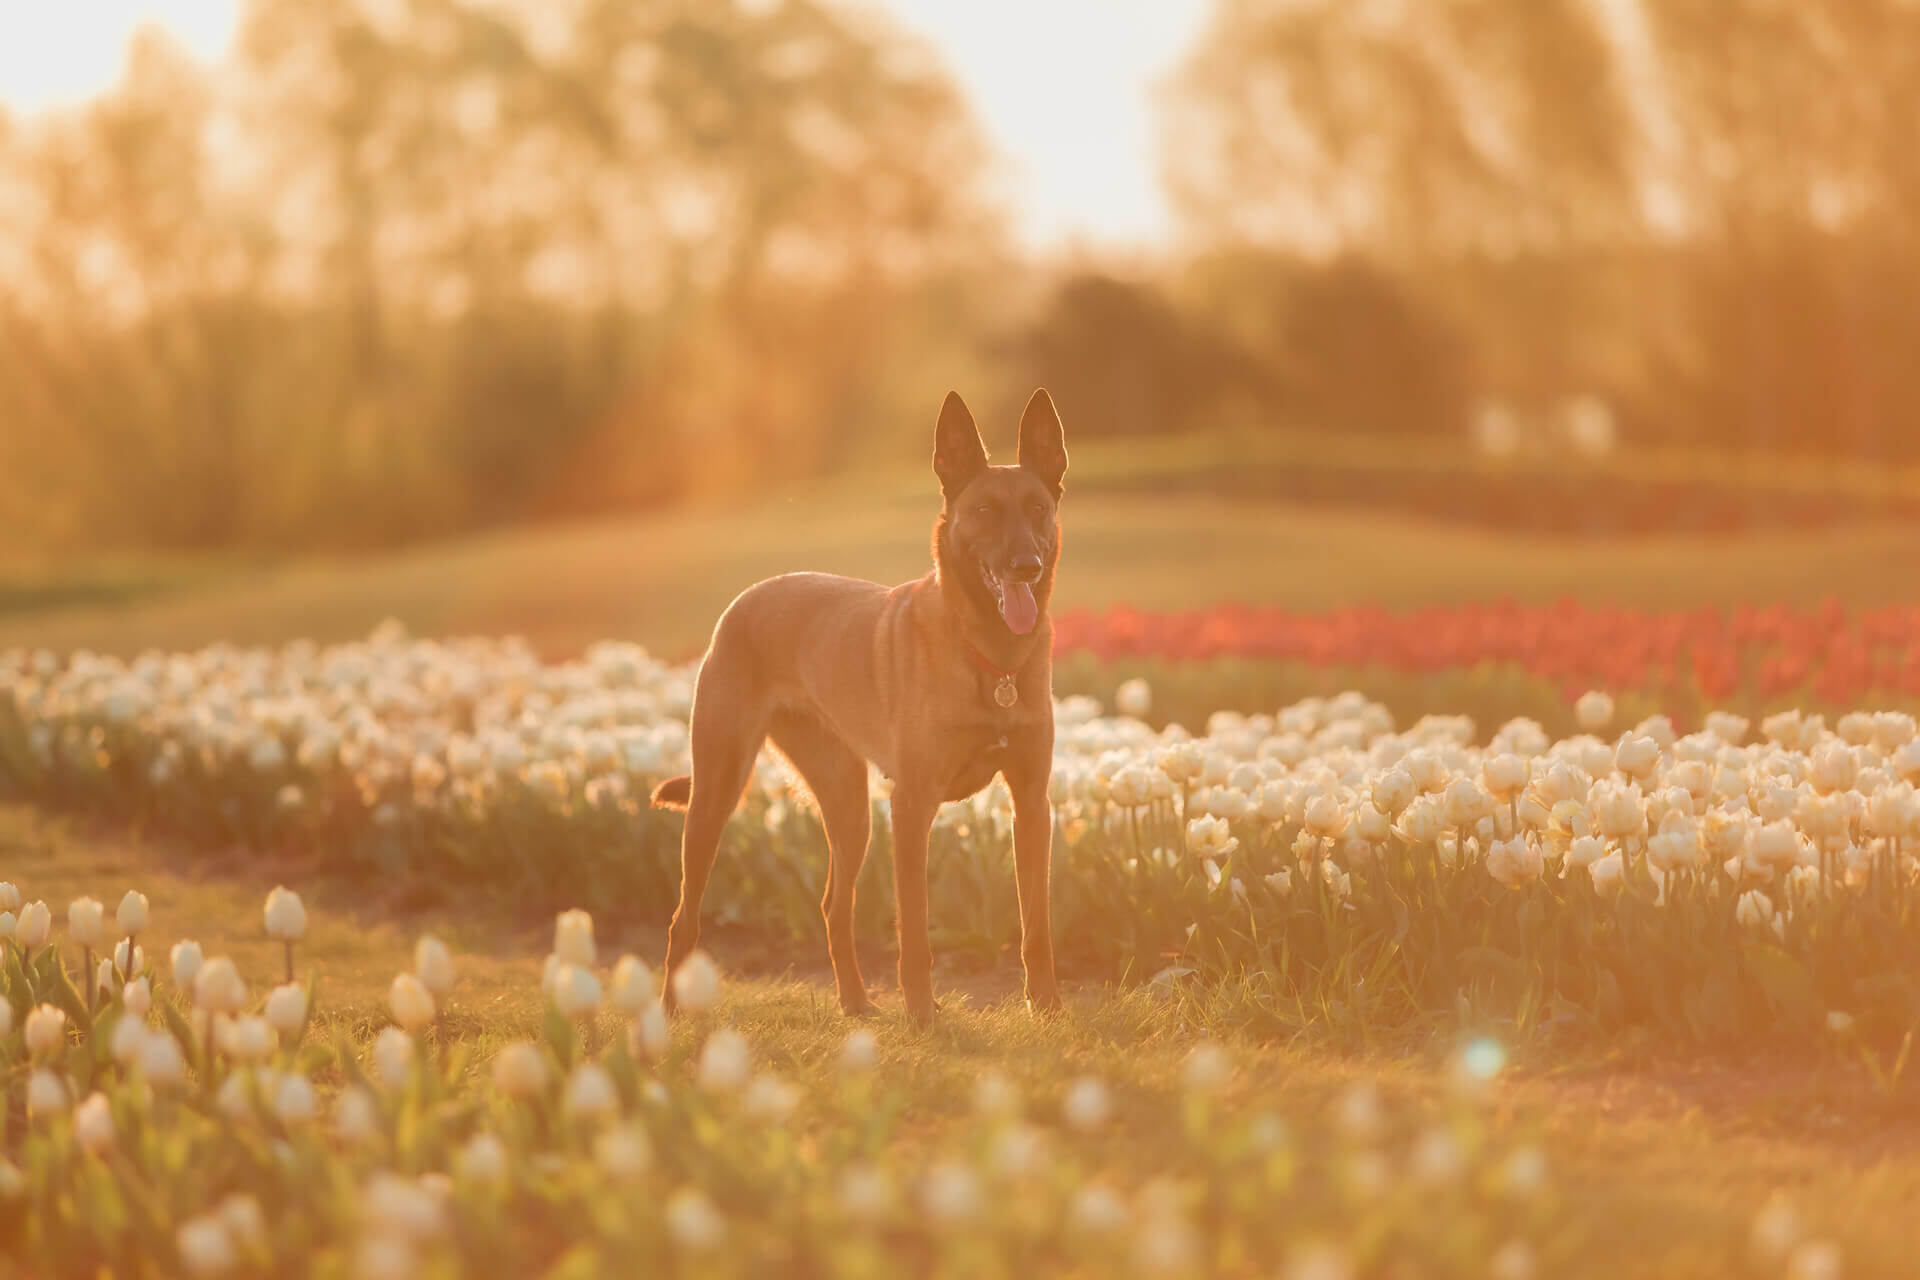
column 999, row 526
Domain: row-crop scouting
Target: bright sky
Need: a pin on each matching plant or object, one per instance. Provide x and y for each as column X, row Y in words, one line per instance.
column 1063, row 88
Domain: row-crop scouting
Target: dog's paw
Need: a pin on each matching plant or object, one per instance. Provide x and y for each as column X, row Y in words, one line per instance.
column 861, row 1007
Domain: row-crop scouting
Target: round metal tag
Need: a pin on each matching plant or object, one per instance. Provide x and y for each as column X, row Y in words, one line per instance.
column 1004, row 693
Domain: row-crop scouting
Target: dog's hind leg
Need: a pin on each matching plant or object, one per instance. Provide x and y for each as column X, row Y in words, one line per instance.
column 729, row 724
column 837, row 776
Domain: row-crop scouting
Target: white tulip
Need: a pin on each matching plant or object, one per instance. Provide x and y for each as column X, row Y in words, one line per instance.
column 206, row 1248
column 287, row 1008
column 483, row 1161
column 576, row 992
column 132, row 916
column 433, row 965
column 286, row 915
column 519, row 1071
column 590, row 1094
column 34, row 926
column 1608, row 872
column 411, row 1003
column 247, row 1040
column 950, row 1195
column 245, row 1221
column 356, row 1117
column 294, row 1101
column 1134, row 698
column 1594, row 711
column 93, row 1124
column 1207, row 1069
column 693, row 1223
column 9, row 896
column 1515, row 862
column 393, row 1054
column 86, row 922
column 696, row 983
column 631, row 989
column 186, row 960
column 573, row 939
column 1754, row 908
column 161, row 1061
column 651, row 1036
column 46, row 1093
column 859, row 1052
column 1087, row 1104
column 623, row 1152
column 725, row 1062
column 46, row 1030
column 217, row 987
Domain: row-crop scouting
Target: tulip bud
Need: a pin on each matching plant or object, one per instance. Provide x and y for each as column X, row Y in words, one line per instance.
column 696, row 983
column 631, row 990
column 573, row 939
column 590, row 1092
column 161, row 1061
column 433, row 964
column 483, row 1161
column 411, row 1002
column 86, row 922
column 35, row 925
column 393, row 1057
column 132, row 915
column 725, row 1062
column 93, row 1124
column 519, row 1071
column 46, row 1094
column 186, row 960
column 294, row 1101
column 287, row 1008
column 9, row 896
column 650, row 1034
column 217, row 987
column 286, row 915
column 46, row 1030
column 575, row 990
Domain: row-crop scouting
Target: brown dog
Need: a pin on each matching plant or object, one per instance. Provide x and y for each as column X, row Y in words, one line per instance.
column 941, row 683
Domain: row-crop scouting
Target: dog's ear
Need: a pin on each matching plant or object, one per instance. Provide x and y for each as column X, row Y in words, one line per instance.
column 958, row 455
column 1043, row 441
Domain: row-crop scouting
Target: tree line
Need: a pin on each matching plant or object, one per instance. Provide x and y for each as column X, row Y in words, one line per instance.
column 395, row 269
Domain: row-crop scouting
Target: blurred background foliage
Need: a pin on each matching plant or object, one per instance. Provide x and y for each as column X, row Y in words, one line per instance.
column 400, row 269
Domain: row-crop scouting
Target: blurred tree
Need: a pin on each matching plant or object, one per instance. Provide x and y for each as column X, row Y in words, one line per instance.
column 407, row 265
column 1404, row 128
column 1122, row 360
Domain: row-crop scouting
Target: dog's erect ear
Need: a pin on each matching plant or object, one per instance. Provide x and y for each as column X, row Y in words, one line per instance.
column 958, row 455
column 1043, row 441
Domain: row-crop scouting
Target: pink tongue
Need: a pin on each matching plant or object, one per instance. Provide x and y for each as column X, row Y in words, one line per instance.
column 1018, row 608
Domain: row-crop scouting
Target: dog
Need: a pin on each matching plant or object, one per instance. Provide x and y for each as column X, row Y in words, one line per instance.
column 941, row 683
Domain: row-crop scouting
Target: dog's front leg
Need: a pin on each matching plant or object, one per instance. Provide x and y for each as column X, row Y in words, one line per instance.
column 1032, row 868
column 912, row 828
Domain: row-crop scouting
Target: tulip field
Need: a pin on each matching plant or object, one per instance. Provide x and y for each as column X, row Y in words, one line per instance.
column 1704, row 841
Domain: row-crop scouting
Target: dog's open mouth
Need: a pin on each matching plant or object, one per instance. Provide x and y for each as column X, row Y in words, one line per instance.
column 1015, row 599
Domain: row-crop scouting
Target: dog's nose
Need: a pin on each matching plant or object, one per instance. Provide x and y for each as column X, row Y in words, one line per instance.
column 1026, row 568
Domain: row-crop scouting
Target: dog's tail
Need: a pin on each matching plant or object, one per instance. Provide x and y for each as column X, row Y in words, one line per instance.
column 673, row 793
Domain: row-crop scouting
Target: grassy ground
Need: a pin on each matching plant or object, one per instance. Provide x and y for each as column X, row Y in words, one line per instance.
column 662, row 579
column 1665, row 1159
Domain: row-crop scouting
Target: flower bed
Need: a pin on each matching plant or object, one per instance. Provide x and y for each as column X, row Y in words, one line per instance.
column 1370, row 878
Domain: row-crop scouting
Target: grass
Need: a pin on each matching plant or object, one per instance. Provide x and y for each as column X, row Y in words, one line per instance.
column 663, row 578
column 1664, row 1159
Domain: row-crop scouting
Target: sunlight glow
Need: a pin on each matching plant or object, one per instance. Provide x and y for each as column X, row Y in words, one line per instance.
column 1064, row 91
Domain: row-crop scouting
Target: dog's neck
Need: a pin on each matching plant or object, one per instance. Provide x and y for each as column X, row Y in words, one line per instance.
column 977, row 617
